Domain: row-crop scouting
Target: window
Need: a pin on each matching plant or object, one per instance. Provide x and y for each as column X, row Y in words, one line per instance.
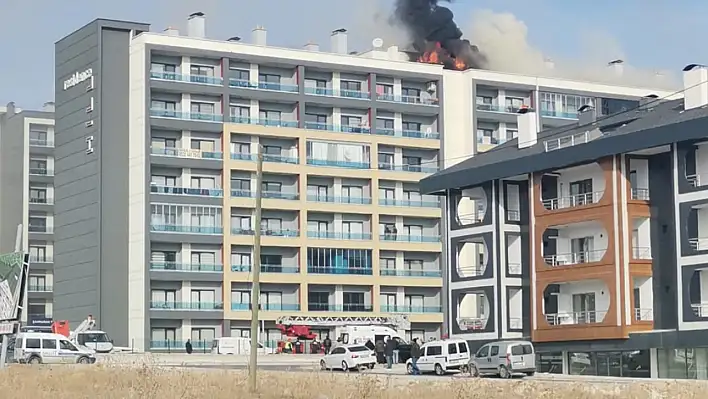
column 352, row 229
column 581, row 187
column 384, row 90
column 242, row 187
column 382, row 123
column 316, row 118
column 203, row 334
column 485, row 136
column 316, row 83
column 37, row 224
column 241, row 297
column 272, row 187
column 414, row 301
column 203, row 258
column 38, row 254
column 412, row 163
column 411, row 264
column 452, row 349
column 513, row 104
column 202, row 108
column 38, row 195
column 203, row 182
column 240, row 259
column 241, row 222
column 494, row 351
column 412, row 196
column 33, row 343
column 433, row 350
column 163, row 105
column 412, row 126
column 338, row 351
column 271, row 115
column 49, row 344
column 207, row 296
column 37, row 136
column 205, row 216
column 157, row 67
column 410, row 94
column 38, row 166
column 269, row 78
column 272, row 260
column 349, row 85
column 241, row 112
column 163, row 334
column 351, row 120
column 272, row 150
column 485, row 100
column 201, row 70
column 38, row 283
column 389, row 300
column 272, row 224
column 67, row 346
column 413, row 230
column 160, row 142
column 241, row 74
column 202, row 145
column 317, row 193
column 166, row 296
column 164, row 181
column 483, row 352
column 385, row 160
column 511, row 134
column 240, row 148
column 387, row 263
column 318, row 226
column 463, row 347
column 352, row 191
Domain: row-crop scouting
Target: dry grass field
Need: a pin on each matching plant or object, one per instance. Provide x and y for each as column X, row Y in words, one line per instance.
column 147, row 382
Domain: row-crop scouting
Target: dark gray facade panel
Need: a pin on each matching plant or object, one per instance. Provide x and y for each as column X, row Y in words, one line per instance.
column 456, row 244
column 662, row 228
column 186, row 199
column 193, row 163
column 12, row 172
column 171, row 86
column 178, row 238
column 187, row 314
column 186, row 276
column 499, row 191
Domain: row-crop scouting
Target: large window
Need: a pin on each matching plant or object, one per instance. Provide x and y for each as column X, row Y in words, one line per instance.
column 633, row 364
column 205, row 216
column 684, row 363
column 329, row 258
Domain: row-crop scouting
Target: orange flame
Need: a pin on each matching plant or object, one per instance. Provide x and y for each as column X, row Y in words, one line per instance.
column 438, row 55
column 460, row 65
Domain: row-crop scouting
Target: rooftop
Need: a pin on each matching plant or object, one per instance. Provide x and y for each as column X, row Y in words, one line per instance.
column 655, row 124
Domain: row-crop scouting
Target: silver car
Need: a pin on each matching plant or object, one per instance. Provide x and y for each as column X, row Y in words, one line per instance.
column 504, row 359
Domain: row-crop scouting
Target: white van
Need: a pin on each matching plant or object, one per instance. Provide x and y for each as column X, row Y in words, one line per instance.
column 237, row 346
column 442, row 356
column 350, row 335
column 48, row 348
column 504, row 359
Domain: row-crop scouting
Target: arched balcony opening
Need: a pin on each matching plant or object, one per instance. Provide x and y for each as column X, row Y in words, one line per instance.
column 473, row 310
column 471, row 207
column 574, row 244
column 572, row 187
column 577, row 302
column 472, row 258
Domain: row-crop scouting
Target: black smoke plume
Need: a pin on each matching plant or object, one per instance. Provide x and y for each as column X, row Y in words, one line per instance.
column 428, row 24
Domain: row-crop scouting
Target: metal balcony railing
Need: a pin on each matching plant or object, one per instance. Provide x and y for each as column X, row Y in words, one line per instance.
column 700, row 309
column 642, row 253
column 698, row 244
column 574, row 258
column 472, row 323
column 643, row 314
column 640, row 194
column 471, row 271
column 514, row 269
column 570, row 318
column 573, row 200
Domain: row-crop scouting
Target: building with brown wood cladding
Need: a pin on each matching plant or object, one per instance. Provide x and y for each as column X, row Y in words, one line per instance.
column 603, row 221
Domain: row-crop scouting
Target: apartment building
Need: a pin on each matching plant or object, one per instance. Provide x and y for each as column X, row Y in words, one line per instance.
column 594, row 236
column 27, row 198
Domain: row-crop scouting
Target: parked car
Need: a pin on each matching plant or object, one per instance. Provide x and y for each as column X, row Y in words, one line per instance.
column 504, row 359
column 347, row 357
column 442, row 356
column 48, row 348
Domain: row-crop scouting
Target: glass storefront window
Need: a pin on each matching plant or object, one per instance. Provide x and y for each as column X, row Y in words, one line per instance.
column 672, row 363
column 582, row 363
column 609, row 364
column 551, row 363
column 636, row 364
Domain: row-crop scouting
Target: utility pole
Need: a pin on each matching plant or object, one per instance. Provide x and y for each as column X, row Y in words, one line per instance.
column 256, row 271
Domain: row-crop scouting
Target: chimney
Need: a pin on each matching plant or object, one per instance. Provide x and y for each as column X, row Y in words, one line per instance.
column 310, row 46
column 11, row 110
column 234, row 39
column 170, row 31
column 549, row 64
column 695, row 86
column 393, row 53
column 196, row 25
column 617, row 67
column 259, row 35
column 646, row 103
column 48, row 106
column 528, row 127
column 339, row 41
column 587, row 114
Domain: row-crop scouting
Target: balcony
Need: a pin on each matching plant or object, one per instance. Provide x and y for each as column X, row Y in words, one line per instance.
column 472, row 258
column 413, row 134
column 200, row 192
column 408, row 168
column 264, row 121
column 339, row 200
column 41, row 259
column 39, row 288
column 331, row 235
column 338, row 164
column 174, row 305
column 700, row 309
column 360, row 271
column 409, row 203
column 346, row 307
column 640, row 194
column 40, row 229
column 175, row 77
column 321, row 91
column 642, row 253
column 185, row 267
column 496, row 108
column 271, row 86
column 45, row 143
column 410, row 309
column 573, row 200
column 644, row 314
column 419, row 100
column 471, row 207
column 190, row 116
column 41, row 171
column 266, row 269
column 513, row 269
column 47, row 200
column 280, row 159
column 583, row 317
column 186, row 229
column 574, row 244
column 238, row 231
column 409, row 238
column 410, row 273
column 577, row 302
column 185, row 153
column 573, row 187
column 272, row 307
column 473, row 309
column 559, row 114
column 574, row 258
column 338, row 128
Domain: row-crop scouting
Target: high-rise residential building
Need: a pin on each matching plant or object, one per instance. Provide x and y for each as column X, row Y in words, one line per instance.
column 157, row 141
column 594, row 235
column 27, row 199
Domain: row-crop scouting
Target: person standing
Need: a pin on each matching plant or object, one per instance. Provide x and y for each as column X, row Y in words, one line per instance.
column 380, row 346
column 396, row 359
column 327, row 344
column 415, row 355
column 188, row 347
column 388, row 352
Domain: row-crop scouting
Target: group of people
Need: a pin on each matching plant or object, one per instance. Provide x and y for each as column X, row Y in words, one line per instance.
column 390, row 233
column 387, row 352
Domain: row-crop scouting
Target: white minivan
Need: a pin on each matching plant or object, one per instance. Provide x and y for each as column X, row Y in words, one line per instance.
column 237, row 346
column 48, row 348
column 442, row 356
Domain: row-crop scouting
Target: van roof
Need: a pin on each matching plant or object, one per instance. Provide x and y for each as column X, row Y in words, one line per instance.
column 40, row 335
column 445, row 341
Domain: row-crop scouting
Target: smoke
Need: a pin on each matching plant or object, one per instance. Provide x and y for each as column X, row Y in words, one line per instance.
column 428, row 24
column 504, row 40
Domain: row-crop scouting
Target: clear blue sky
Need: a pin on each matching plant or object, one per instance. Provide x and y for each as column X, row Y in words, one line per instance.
column 655, row 34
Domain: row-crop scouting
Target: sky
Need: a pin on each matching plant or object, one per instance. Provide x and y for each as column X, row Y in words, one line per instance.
column 650, row 35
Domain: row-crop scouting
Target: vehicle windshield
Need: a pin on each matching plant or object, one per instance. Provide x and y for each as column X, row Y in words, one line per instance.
column 89, row 338
column 358, row 349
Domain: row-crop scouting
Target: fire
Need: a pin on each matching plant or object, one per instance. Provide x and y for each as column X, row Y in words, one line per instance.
column 438, row 55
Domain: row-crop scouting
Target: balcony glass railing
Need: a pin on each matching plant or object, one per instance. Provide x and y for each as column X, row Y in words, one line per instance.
column 347, row 307
column 513, row 215
column 415, row 134
column 569, row 318
column 274, row 122
column 192, row 116
column 339, row 270
column 338, row 164
column 322, row 91
column 331, row 235
column 410, row 238
column 186, row 229
column 409, row 203
column 411, row 309
column 280, row 195
column 239, row 156
column 41, row 143
column 559, row 114
column 337, row 128
column 410, row 273
column 573, row 200
column 175, row 77
column 574, row 258
column 407, row 99
column 41, row 172
column 186, row 267
column 40, row 229
column 698, row 244
column 642, row 253
column 179, row 345
column 700, row 309
column 471, row 270
column 408, row 168
column 238, row 231
column 510, row 109
column 643, row 314
column 273, row 86
column 640, row 194
column 201, row 192
column 42, row 201
column 266, row 269
column 277, row 307
column 41, row 259
column 186, row 153
column 174, row 305
column 39, row 288
column 339, row 200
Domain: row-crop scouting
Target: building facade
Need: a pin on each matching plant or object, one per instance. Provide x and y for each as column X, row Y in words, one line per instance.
column 156, row 180
column 27, row 198
column 600, row 222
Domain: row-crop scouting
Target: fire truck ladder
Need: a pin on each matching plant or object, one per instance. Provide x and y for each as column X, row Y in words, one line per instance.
column 85, row 325
column 398, row 321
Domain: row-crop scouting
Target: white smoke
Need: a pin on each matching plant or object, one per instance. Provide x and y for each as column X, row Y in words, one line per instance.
column 504, row 40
